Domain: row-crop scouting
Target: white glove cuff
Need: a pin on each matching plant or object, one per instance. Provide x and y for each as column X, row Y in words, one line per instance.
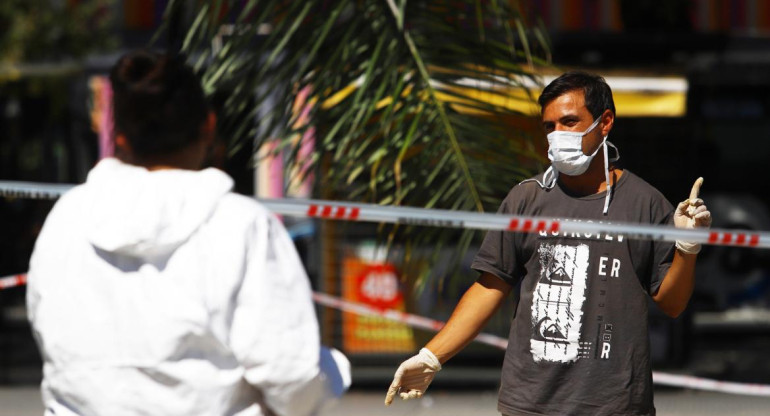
column 430, row 359
column 688, row 247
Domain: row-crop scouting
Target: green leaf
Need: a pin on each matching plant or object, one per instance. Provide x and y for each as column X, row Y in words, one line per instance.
column 384, row 76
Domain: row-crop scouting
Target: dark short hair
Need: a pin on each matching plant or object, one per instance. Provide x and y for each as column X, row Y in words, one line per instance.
column 598, row 95
column 158, row 102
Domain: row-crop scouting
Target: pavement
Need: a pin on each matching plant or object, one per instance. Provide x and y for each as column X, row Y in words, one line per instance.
column 459, row 391
column 25, row 401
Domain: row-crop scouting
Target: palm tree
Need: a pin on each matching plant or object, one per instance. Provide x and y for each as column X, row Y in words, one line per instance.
column 406, row 99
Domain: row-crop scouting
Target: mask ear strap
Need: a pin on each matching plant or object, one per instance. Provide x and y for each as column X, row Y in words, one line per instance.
column 549, row 179
column 607, row 177
column 593, row 126
column 617, row 152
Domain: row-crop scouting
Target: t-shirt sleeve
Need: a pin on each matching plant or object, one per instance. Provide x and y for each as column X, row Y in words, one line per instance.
column 498, row 254
column 663, row 251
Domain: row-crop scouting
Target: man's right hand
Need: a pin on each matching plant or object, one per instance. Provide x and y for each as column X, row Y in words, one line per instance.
column 413, row 376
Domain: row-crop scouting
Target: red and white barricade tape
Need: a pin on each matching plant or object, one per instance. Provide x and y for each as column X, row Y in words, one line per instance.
column 343, row 305
column 666, row 379
column 344, row 211
column 8, row 282
column 453, row 219
column 398, row 316
column 675, row 380
column 698, row 383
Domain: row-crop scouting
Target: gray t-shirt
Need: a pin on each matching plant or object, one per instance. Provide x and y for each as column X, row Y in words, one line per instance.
column 578, row 343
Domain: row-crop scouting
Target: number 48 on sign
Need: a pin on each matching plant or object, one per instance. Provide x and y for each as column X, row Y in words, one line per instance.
column 378, row 286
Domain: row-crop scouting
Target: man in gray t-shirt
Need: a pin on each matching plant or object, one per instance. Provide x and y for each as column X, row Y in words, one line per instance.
column 578, row 343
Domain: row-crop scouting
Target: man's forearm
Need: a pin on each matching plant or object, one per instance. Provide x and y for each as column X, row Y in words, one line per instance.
column 675, row 290
column 477, row 305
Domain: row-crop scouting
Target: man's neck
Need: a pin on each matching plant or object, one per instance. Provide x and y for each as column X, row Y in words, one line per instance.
column 592, row 181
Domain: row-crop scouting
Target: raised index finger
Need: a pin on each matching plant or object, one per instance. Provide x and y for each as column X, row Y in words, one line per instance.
column 696, row 188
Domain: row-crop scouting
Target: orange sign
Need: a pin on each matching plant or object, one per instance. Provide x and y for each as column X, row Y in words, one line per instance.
column 375, row 284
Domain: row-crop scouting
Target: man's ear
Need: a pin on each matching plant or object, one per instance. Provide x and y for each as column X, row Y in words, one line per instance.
column 608, row 120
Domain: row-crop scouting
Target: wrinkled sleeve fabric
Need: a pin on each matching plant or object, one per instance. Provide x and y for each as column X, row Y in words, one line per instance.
column 274, row 332
column 499, row 253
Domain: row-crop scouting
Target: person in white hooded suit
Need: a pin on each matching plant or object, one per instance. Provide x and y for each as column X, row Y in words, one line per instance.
column 153, row 289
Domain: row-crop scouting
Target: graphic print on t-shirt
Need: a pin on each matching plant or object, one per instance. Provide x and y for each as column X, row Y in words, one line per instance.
column 557, row 306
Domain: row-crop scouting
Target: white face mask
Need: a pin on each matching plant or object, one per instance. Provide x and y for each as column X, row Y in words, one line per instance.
column 565, row 150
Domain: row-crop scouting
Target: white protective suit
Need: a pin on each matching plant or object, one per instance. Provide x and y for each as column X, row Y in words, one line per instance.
column 163, row 293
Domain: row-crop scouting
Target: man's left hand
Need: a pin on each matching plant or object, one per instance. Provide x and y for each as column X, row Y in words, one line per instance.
column 692, row 213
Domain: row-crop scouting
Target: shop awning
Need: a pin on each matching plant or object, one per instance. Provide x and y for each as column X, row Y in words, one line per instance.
column 634, row 96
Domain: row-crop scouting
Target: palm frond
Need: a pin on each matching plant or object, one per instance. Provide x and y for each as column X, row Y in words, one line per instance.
column 399, row 86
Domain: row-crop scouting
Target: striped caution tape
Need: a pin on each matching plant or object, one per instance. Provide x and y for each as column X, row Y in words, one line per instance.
column 698, row 383
column 12, row 281
column 343, row 305
column 345, row 211
column 666, row 379
column 33, row 190
column 398, row 316
column 416, row 321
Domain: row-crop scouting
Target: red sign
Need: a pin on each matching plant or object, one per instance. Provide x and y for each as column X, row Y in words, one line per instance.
column 378, row 286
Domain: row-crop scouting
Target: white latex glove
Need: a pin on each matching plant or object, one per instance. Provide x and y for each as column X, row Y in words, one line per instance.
column 692, row 213
column 413, row 376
